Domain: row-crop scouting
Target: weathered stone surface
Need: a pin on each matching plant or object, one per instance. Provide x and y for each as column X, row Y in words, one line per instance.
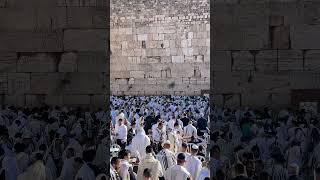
column 8, row 62
column 159, row 47
column 85, row 40
column 312, row 61
column 18, row 83
column 68, row 62
column 31, row 41
column 92, row 62
column 37, row 62
column 305, row 36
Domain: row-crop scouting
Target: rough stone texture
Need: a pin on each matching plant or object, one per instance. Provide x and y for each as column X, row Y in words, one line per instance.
column 262, row 50
column 54, row 52
column 160, row 47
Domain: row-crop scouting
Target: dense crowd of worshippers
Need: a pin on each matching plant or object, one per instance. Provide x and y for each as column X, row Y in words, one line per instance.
column 249, row 144
column 160, row 137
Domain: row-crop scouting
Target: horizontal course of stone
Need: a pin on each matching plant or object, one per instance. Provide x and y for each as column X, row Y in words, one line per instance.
column 160, row 47
column 264, row 49
column 54, row 52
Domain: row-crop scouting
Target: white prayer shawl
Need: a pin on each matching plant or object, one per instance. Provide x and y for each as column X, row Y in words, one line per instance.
column 205, row 172
column 22, row 161
column 151, row 163
column 177, row 172
column 174, row 141
column 193, row 166
column 278, row 172
column 76, row 146
column 51, row 169
column 166, row 158
column 139, row 143
column 85, row 173
column 67, row 171
column 294, row 155
column 10, row 166
column 101, row 154
column 189, row 131
column 124, row 170
column 36, row 171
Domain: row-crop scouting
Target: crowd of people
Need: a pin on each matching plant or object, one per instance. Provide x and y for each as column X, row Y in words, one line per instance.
column 250, row 144
column 53, row 143
column 160, row 137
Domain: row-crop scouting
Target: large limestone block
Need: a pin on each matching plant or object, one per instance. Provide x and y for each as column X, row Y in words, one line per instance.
column 86, row 83
column 18, row 83
column 46, row 83
column 242, row 61
column 305, row 36
column 305, row 80
column 31, row 41
column 3, row 83
column 68, row 62
column 221, row 61
column 8, row 62
column 70, row 99
column 17, row 100
column 312, row 61
column 290, row 60
column 266, row 61
column 92, row 62
column 85, row 40
column 40, row 16
column 37, row 62
column 137, row 74
column 86, row 17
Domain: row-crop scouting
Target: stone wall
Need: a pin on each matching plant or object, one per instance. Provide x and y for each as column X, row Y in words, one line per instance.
column 54, row 52
column 160, row 47
column 264, row 49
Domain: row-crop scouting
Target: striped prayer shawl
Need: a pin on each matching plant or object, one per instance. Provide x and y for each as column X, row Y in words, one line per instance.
column 278, row 173
column 166, row 159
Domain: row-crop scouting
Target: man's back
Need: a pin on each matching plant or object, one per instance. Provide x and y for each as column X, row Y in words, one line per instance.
column 151, row 163
column 177, row 172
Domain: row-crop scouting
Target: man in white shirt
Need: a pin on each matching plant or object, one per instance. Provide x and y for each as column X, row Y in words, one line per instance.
column 122, row 133
column 166, row 156
column 190, row 131
column 158, row 137
column 126, row 169
column 193, row 163
column 178, row 171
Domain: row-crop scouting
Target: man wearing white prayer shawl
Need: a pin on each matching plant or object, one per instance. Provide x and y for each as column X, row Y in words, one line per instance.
column 174, row 141
column 36, row 171
column 68, row 170
column 9, row 165
column 193, row 164
column 73, row 143
column 84, row 172
column 21, row 156
column 178, row 171
column 140, row 141
column 166, row 157
column 151, row 163
column 204, row 173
